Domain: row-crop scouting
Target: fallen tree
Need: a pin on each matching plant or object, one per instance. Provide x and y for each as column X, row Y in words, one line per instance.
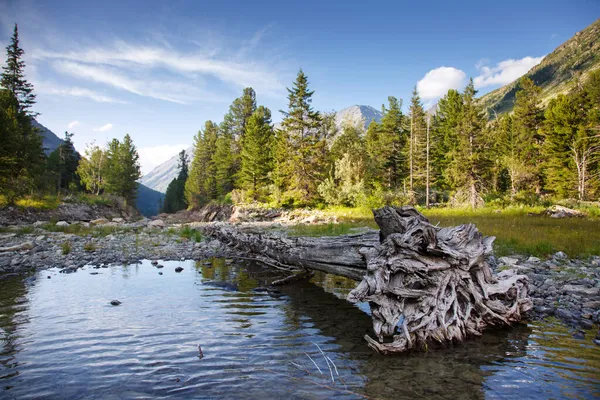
column 423, row 283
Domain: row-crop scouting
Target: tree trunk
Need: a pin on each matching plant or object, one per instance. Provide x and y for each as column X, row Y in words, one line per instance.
column 423, row 283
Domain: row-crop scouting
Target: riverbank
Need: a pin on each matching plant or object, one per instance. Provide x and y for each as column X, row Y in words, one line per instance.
column 561, row 287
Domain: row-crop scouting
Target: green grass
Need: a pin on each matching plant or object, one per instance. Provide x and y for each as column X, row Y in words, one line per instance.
column 191, row 234
column 89, row 247
column 518, row 230
column 66, row 248
column 81, row 230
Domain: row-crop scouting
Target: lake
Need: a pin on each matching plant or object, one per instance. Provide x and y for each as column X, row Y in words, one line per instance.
column 60, row 338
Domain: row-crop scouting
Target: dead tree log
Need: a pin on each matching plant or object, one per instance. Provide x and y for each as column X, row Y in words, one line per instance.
column 423, row 283
column 428, row 284
column 339, row 255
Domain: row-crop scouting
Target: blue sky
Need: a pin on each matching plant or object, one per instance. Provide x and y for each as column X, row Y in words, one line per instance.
column 159, row 70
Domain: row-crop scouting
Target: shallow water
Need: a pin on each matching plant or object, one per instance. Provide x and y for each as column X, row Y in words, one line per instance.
column 60, row 338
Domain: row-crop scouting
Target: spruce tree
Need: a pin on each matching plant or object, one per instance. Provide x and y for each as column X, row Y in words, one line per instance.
column 257, row 153
column 201, row 185
column 302, row 132
column 13, row 75
column 417, row 145
column 62, row 165
column 175, row 197
column 444, row 140
column 392, row 143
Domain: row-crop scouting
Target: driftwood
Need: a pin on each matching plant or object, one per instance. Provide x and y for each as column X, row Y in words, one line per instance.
column 340, row 255
column 423, row 283
column 426, row 283
column 17, row 247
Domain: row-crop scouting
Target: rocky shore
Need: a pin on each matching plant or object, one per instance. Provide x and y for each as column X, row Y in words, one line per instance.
column 560, row 287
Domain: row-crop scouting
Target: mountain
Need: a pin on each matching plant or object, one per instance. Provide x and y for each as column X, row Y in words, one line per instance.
column 557, row 72
column 148, row 201
column 357, row 116
column 160, row 177
column 50, row 140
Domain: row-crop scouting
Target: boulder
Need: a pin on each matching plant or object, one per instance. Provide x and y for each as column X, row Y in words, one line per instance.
column 563, row 212
column 62, row 224
column 99, row 221
column 39, row 223
column 118, row 220
column 157, row 223
column 580, row 290
column 509, row 260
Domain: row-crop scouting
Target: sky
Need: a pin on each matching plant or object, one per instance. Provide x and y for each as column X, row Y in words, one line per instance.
column 158, row 70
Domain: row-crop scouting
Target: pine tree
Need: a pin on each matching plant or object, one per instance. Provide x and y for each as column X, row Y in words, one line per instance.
column 444, row 143
column 302, row 131
column 201, row 185
column 257, row 153
column 417, row 146
column 392, row 143
column 13, row 75
column 62, row 165
column 175, row 195
column 523, row 163
column 468, row 163
column 122, row 169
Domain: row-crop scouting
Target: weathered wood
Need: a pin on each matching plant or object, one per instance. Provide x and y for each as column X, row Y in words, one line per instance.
column 423, row 283
column 17, row 247
column 339, row 255
column 428, row 284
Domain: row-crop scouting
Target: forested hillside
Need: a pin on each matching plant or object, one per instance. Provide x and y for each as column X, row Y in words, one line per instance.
column 558, row 72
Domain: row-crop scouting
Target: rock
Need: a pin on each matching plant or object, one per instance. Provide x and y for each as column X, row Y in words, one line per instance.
column 99, row 221
column 580, row 290
column 49, row 277
column 115, row 302
column 586, row 324
column 62, row 224
column 162, row 266
column 154, row 262
column 508, row 260
column 533, row 260
column 37, row 224
column 157, row 223
column 563, row 314
column 118, row 220
column 563, row 212
column 160, row 272
column 594, row 305
column 560, row 256
column 178, row 269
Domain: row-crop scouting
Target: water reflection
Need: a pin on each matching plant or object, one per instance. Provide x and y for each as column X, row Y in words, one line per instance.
column 61, row 339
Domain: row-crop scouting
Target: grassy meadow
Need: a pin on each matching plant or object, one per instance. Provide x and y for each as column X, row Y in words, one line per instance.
column 518, row 230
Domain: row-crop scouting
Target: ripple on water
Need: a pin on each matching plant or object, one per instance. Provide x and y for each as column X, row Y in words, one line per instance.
column 60, row 338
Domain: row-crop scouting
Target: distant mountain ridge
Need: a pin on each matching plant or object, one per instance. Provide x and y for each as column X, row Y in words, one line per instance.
column 557, row 72
column 50, row 140
column 160, row 177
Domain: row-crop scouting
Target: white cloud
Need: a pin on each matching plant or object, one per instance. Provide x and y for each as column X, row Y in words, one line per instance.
column 175, row 92
column 505, row 71
column 58, row 90
column 119, row 62
column 152, row 156
column 438, row 81
column 104, row 128
column 72, row 124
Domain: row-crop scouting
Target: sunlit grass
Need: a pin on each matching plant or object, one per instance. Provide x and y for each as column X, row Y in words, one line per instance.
column 518, row 230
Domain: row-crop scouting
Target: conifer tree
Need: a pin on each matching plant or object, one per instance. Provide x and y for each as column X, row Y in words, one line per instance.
column 62, row 165
column 417, row 146
column 257, row 153
column 468, row 163
column 301, row 130
column 13, row 75
column 201, row 185
column 392, row 143
column 444, row 140
column 175, row 195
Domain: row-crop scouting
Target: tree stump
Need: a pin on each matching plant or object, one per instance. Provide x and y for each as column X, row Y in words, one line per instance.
column 428, row 284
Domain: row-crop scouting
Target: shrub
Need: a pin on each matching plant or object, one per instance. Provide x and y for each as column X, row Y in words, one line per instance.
column 66, row 248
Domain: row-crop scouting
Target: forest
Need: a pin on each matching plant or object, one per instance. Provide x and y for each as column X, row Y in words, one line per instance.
column 458, row 154
column 25, row 169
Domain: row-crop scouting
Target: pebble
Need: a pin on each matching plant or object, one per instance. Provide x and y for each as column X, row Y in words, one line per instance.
column 178, row 269
column 115, row 302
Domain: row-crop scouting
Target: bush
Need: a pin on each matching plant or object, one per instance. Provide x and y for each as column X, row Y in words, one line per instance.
column 89, row 247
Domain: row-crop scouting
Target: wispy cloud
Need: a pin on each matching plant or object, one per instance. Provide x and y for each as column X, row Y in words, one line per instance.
column 72, row 124
column 438, row 81
column 104, row 128
column 74, row 91
column 505, row 71
column 117, row 64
